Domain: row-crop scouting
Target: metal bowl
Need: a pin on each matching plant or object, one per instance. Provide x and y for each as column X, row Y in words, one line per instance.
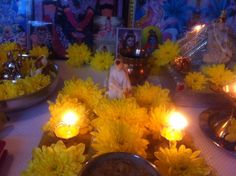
column 119, row 164
column 29, row 100
column 210, row 120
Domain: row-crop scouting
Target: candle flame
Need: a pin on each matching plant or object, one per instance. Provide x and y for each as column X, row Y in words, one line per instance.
column 70, row 118
column 177, row 121
column 226, row 88
column 199, row 27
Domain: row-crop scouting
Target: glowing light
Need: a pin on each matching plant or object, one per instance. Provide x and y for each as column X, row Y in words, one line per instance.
column 70, row 118
column 68, row 127
column 198, row 28
column 226, row 88
column 177, row 121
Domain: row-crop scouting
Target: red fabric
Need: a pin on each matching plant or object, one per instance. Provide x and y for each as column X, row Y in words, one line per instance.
column 71, row 18
column 88, row 17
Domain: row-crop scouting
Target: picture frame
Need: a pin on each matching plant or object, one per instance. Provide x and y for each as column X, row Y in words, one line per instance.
column 128, row 42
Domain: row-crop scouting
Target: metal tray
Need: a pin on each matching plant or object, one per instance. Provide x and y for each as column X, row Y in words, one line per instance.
column 207, row 121
column 29, row 100
column 138, row 163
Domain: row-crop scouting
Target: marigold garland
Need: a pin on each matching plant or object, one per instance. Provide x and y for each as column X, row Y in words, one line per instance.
column 166, row 53
column 180, row 161
column 78, row 55
column 102, row 61
column 39, row 51
column 86, row 91
column 56, row 159
column 118, row 136
column 196, row 81
column 64, row 104
column 25, row 86
column 149, row 95
column 219, row 75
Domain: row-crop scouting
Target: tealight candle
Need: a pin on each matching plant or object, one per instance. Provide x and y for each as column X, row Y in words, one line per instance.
column 176, row 123
column 68, row 127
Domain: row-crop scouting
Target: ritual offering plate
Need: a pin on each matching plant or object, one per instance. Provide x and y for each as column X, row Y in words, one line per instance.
column 214, row 123
column 29, row 99
column 119, row 164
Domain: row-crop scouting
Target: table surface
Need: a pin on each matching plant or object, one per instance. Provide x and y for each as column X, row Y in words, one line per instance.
column 23, row 131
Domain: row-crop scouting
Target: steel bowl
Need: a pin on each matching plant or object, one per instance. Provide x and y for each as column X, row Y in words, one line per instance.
column 118, row 164
column 25, row 101
column 210, row 122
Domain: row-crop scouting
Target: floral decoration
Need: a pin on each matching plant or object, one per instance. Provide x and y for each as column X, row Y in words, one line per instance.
column 78, row 55
column 219, row 75
column 102, row 61
column 151, row 96
column 181, row 161
column 118, row 136
column 126, row 110
column 86, row 91
column 196, row 81
column 56, row 159
column 166, row 53
column 63, row 105
column 25, row 86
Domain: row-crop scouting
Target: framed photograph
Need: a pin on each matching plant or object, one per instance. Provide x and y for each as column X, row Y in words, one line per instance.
column 128, row 42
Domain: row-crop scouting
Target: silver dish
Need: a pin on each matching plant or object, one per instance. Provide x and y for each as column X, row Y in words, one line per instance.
column 29, row 100
column 210, row 120
column 138, row 164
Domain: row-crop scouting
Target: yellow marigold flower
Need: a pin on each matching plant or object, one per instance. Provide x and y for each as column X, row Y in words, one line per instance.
column 78, row 55
column 158, row 119
column 86, row 91
column 63, row 105
column 56, row 159
column 102, row 61
column 196, row 81
column 231, row 136
column 166, row 53
column 181, row 161
column 25, row 86
column 219, row 75
column 4, row 49
column 118, row 136
column 39, row 51
column 126, row 110
column 149, row 95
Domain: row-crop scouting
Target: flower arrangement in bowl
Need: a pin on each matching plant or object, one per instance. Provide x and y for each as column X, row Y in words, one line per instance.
column 25, row 79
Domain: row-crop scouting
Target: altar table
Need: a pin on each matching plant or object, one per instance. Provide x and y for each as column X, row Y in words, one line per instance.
column 23, row 131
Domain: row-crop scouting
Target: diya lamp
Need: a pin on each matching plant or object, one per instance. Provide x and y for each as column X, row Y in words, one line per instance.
column 68, row 127
column 174, row 130
column 221, row 127
column 197, row 28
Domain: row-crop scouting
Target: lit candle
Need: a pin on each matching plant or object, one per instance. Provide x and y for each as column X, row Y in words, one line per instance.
column 68, row 127
column 176, row 123
column 198, row 28
column 226, row 88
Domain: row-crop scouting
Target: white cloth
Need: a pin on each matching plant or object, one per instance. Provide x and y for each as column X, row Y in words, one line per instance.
column 118, row 83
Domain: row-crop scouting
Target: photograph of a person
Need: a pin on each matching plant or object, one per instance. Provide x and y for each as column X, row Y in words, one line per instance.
column 128, row 41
